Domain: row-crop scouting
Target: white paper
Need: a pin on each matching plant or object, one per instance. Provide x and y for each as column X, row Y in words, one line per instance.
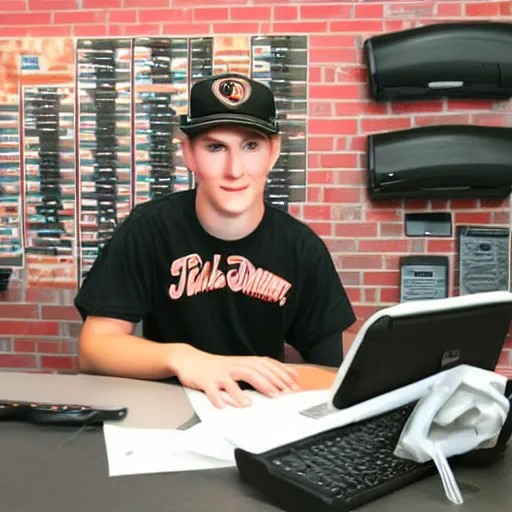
column 134, row 451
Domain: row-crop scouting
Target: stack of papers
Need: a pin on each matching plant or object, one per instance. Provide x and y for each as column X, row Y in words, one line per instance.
column 266, row 424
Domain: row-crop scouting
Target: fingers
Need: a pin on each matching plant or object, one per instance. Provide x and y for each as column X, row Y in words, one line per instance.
column 258, row 377
column 285, row 373
column 227, row 392
column 214, row 393
column 234, row 392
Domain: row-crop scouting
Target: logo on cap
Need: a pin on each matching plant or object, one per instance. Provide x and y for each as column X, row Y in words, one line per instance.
column 231, row 91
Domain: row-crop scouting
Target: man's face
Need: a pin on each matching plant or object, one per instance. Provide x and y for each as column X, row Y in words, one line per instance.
column 231, row 164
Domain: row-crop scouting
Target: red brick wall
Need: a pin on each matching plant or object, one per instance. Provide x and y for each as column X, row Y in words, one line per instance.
column 39, row 328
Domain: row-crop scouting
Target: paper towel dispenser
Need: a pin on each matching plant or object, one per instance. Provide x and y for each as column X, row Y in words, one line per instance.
column 458, row 60
column 440, row 161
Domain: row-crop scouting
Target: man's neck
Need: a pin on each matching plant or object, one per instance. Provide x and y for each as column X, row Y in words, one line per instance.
column 228, row 227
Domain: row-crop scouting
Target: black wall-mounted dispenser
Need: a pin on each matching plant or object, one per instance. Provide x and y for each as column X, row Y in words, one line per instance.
column 458, row 60
column 440, row 161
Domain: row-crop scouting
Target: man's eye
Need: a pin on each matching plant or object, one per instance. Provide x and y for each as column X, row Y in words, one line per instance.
column 215, row 147
column 251, row 145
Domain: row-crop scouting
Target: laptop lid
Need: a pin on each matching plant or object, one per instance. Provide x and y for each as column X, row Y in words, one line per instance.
column 410, row 341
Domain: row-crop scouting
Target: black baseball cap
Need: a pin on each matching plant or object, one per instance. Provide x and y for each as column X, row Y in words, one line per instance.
column 230, row 99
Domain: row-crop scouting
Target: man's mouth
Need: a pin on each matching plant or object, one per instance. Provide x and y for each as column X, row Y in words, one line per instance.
column 234, row 189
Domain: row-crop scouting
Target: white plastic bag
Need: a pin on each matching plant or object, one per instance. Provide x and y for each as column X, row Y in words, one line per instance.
column 464, row 410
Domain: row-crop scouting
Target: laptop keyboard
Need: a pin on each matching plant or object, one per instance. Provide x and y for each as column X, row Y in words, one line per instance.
column 344, row 466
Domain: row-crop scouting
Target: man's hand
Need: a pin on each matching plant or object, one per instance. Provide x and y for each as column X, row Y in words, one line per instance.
column 217, row 375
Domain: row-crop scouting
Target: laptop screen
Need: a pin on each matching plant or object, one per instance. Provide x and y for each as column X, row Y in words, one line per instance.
column 409, row 342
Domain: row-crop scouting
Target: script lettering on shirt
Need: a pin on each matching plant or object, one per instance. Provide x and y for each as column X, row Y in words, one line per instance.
column 196, row 276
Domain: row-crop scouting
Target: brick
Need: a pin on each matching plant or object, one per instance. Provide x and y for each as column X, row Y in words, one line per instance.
column 301, row 27
column 175, row 29
column 124, row 16
column 350, row 178
column 28, row 346
column 59, row 362
column 463, row 203
column 29, row 328
column 320, row 177
column 381, row 278
column 313, row 212
column 337, row 55
column 39, row 295
column 493, row 202
column 332, row 41
column 412, row 10
column 356, row 108
column 441, row 246
column 101, row 4
column 339, row 246
column 357, row 26
column 315, row 74
column 147, row 3
column 505, row 8
column 384, row 215
column 365, row 312
column 29, row 18
column 249, row 13
column 12, row 5
column 497, row 119
column 383, row 246
column 459, row 104
column 342, row 143
column 357, row 143
column 134, row 30
column 285, row 13
column 48, row 347
column 17, row 361
column 186, row 3
column 339, row 160
column 449, row 9
column 416, row 204
column 341, row 195
column 392, row 229
column 332, row 126
column 361, row 261
column 374, row 11
column 350, row 278
column 52, row 5
column 346, row 212
column 420, row 120
column 74, row 17
column 165, row 15
column 343, row 92
column 385, row 124
column 417, row 107
column 505, row 358
column 482, row 9
column 8, row 311
column 389, row 295
column 320, row 109
column 211, row 14
column 321, row 228
column 500, row 218
column 50, row 31
column 90, row 31
column 354, row 294
column 320, row 12
column 320, row 143
column 356, row 229
column 472, row 218
column 60, row 313
column 235, row 28
column 314, row 194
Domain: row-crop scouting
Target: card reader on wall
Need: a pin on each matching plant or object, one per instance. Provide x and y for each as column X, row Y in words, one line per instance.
column 423, row 277
column 440, row 161
column 457, row 60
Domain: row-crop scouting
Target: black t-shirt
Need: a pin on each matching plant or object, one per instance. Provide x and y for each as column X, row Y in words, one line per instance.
column 242, row 297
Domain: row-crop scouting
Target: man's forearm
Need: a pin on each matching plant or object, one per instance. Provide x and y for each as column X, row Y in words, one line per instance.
column 126, row 355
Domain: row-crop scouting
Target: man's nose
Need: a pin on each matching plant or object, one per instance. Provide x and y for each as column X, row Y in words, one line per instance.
column 235, row 166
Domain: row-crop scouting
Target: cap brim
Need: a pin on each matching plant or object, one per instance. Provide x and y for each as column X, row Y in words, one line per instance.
column 193, row 127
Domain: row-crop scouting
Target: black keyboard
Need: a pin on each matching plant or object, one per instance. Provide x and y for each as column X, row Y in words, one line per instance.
column 337, row 470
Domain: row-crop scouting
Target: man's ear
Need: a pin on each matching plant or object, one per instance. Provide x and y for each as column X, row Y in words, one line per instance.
column 188, row 154
column 275, row 149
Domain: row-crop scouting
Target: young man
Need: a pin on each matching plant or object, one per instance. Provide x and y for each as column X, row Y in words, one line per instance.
column 219, row 279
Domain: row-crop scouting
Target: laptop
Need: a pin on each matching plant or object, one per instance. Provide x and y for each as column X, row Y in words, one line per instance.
column 411, row 341
column 345, row 467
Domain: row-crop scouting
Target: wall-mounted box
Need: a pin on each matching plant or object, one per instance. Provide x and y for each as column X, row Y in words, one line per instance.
column 457, row 60
column 440, row 161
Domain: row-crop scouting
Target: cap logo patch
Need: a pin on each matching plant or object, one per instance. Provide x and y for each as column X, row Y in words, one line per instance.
column 231, row 91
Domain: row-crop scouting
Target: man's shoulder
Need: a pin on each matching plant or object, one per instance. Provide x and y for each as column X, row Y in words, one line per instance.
column 164, row 208
column 294, row 229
